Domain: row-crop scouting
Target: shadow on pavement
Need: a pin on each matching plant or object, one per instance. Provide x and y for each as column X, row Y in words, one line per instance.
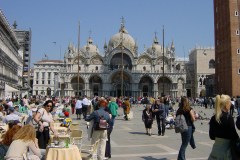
column 151, row 158
column 137, row 132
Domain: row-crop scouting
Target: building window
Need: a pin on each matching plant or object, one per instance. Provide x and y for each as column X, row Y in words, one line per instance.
column 36, row 92
column 79, row 68
column 36, row 82
column 144, row 68
column 49, row 75
column 237, row 32
column 43, row 75
column 49, row 82
column 211, row 63
column 37, row 75
column 96, row 68
column 236, row 13
column 238, row 51
column 42, row 82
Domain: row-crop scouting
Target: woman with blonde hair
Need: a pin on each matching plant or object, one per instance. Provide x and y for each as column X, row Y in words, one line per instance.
column 187, row 136
column 222, row 129
column 24, row 139
column 7, row 140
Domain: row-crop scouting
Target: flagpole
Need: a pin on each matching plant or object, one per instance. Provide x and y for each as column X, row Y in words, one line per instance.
column 163, row 64
column 78, row 57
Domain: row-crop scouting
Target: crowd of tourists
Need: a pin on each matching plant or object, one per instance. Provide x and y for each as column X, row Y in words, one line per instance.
column 30, row 121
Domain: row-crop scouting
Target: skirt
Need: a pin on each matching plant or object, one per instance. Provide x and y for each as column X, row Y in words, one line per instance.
column 221, row 150
column 79, row 111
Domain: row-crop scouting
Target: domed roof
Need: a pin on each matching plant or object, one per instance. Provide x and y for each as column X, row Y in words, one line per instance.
column 128, row 40
column 156, row 48
column 90, row 47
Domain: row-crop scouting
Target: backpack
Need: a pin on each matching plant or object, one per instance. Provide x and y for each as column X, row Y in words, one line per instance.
column 102, row 124
column 180, row 124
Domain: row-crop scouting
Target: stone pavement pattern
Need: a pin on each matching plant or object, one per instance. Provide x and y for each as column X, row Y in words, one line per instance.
column 129, row 141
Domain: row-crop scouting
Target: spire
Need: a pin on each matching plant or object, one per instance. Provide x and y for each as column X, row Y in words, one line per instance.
column 155, row 40
column 172, row 46
column 105, row 44
column 15, row 24
column 122, row 29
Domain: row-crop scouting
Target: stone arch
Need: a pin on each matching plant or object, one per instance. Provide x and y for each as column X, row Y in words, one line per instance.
column 95, row 85
column 164, row 85
column 125, row 51
column 116, row 80
column 96, row 60
column 78, row 87
column 211, row 63
column 116, row 61
column 146, row 85
column 144, row 59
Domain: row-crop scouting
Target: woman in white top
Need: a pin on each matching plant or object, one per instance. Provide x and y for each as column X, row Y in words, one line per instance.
column 45, row 121
column 23, row 140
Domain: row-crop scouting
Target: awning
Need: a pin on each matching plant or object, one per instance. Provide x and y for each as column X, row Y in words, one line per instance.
column 10, row 89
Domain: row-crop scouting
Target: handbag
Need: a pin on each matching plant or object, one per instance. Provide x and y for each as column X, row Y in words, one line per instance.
column 180, row 124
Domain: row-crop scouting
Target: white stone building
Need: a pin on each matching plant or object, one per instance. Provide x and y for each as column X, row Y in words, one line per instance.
column 121, row 69
column 11, row 61
column 46, row 77
column 201, row 64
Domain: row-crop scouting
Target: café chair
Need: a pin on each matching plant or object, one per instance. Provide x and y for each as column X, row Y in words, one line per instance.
column 90, row 151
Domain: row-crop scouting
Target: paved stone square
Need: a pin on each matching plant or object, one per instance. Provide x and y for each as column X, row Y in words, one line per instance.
column 129, row 141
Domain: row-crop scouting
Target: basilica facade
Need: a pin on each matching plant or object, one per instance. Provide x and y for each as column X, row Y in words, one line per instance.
column 120, row 70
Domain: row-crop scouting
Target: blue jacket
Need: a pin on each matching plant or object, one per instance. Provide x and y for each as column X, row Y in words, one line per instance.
column 97, row 114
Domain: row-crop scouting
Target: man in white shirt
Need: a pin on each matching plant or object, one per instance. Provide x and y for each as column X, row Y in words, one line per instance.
column 78, row 108
column 86, row 103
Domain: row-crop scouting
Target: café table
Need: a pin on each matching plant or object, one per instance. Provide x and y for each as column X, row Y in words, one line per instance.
column 62, row 153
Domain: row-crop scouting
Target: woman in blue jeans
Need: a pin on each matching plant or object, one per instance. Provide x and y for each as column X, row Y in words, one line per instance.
column 187, row 136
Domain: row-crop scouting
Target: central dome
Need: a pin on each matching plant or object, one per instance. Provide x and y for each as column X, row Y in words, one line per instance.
column 90, row 47
column 127, row 40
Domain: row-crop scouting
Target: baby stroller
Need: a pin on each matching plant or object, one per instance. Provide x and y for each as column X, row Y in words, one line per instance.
column 170, row 122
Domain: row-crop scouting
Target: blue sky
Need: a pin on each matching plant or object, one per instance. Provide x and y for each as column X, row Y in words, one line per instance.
column 188, row 23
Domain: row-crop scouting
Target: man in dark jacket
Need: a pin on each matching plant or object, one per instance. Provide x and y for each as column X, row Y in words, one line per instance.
column 159, row 110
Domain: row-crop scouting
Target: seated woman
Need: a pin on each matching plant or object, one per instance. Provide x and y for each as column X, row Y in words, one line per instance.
column 7, row 140
column 24, row 139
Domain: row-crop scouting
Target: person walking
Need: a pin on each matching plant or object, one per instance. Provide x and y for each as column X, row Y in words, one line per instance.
column 85, row 106
column 147, row 118
column 158, row 113
column 97, row 134
column 222, row 129
column 112, row 105
column 187, row 136
column 78, row 108
column 126, row 108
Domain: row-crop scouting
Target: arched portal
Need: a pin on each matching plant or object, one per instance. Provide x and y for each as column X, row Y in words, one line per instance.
column 117, row 60
column 121, row 84
column 146, row 86
column 78, row 86
column 164, row 86
column 95, row 85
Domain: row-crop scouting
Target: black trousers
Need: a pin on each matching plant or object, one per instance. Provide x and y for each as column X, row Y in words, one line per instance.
column 108, row 143
column 161, row 125
column 84, row 111
column 43, row 138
